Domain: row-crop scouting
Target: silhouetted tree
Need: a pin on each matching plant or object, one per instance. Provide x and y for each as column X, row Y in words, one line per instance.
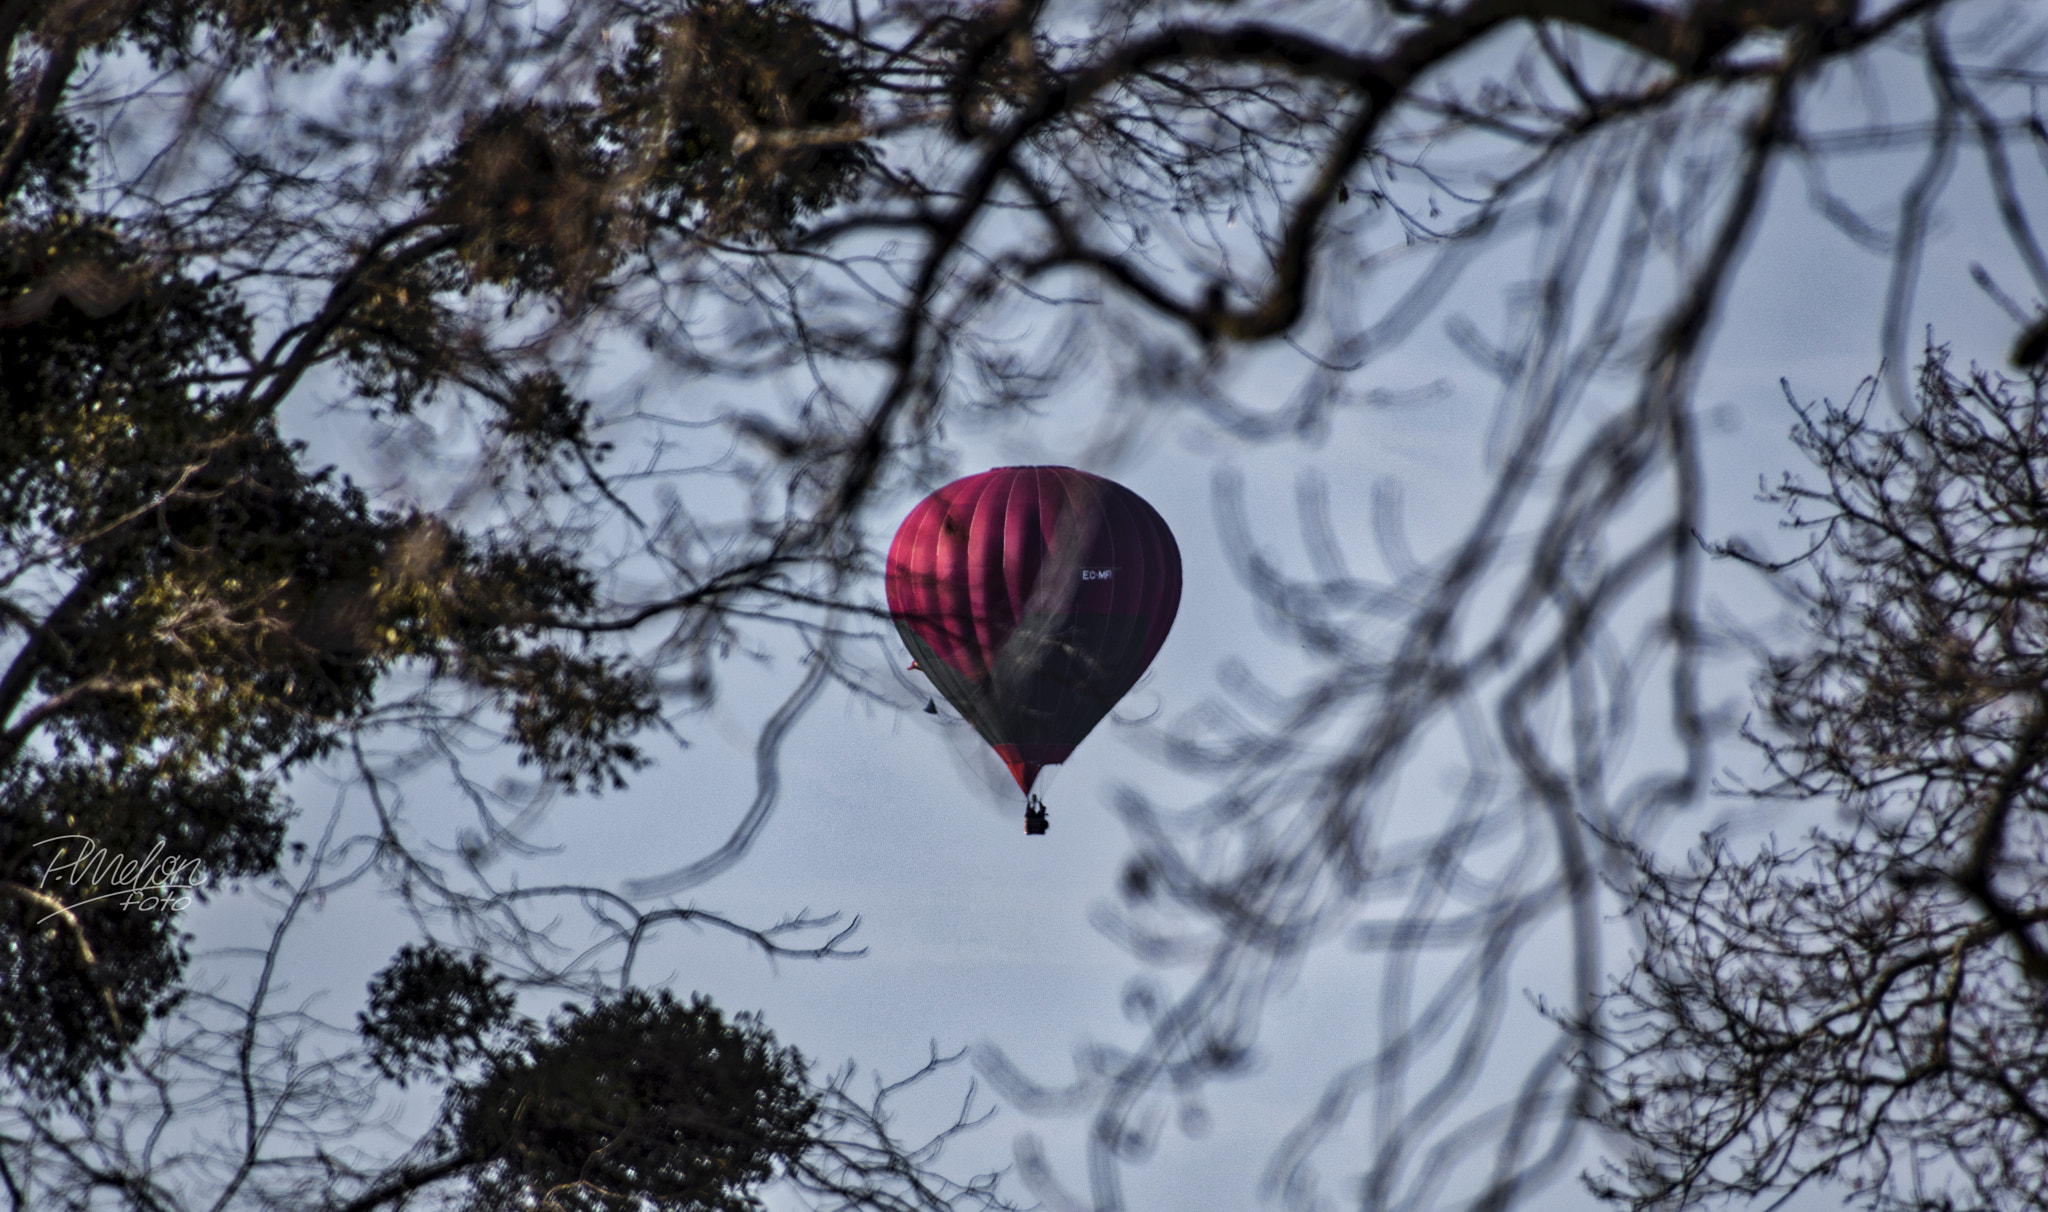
column 1868, row 1006
column 636, row 1103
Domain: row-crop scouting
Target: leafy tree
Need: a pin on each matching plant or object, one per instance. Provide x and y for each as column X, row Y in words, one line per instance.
column 1867, row 1006
column 200, row 613
column 432, row 1011
column 217, row 616
column 640, row 1102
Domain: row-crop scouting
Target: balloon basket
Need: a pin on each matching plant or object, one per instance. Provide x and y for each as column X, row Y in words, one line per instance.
column 1035, row 821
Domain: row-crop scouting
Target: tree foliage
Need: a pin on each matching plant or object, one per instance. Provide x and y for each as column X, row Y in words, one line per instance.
column 222, row 615
column 201, row 613
column 432, row 1011
column 641, row 1102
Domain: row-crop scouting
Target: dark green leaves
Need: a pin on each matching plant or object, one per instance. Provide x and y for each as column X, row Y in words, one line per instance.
column 86, row 956
column 636, row 1103
column 293, row 32
column 734, row 118
column 570, row 712
column 431, row 1011
column 721, row 119
column 197, row 613
column 528, row 190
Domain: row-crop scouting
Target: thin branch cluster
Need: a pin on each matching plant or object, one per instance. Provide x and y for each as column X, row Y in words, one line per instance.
column 1867, row 1006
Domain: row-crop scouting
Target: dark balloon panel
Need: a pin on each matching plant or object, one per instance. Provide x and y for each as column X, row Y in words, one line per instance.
column 1033, row 597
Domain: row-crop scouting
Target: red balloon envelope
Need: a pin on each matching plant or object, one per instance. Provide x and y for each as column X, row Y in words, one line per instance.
column 1033, row 597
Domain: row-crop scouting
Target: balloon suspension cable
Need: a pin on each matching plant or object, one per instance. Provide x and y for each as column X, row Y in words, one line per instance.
column 1034, row 817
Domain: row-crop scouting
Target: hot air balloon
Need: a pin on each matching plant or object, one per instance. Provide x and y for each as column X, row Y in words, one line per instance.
column 1033, row 598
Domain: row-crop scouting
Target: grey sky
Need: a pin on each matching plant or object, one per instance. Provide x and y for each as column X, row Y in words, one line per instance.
column 977, row 935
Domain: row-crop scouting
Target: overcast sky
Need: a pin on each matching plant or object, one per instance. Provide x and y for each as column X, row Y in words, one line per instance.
column 979, row 936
